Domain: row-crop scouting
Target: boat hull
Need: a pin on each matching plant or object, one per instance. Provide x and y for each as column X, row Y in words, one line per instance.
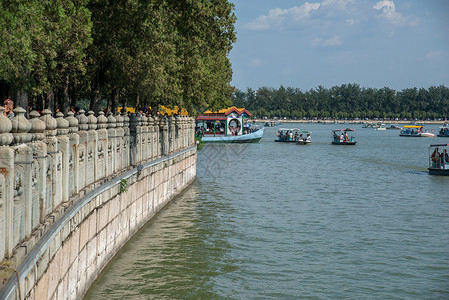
column 280, row 141
column 246, row 138
column 441, row 172
column 442, row 135
column 344, row 143
column 303, row 143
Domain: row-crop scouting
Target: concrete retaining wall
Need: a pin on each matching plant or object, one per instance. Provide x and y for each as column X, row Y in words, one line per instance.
column 69, row 257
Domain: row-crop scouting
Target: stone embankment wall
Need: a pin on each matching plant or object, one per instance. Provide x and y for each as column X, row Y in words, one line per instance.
column 73, row 190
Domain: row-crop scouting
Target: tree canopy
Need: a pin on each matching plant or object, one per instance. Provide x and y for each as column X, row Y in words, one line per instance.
column 346, row 101
column 129, row 52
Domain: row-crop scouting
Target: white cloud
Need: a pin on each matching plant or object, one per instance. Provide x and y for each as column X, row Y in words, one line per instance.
column 350, row 21
column 434, row 54
column 330, row 42
column 255, row 62
column 387, row 10
column 277, row 16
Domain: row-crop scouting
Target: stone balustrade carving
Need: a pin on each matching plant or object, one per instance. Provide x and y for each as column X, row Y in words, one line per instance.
column 47, row 163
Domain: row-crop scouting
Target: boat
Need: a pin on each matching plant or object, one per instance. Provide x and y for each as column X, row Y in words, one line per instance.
column 307, row 138
column 439, row 159
column 415, row 131
column 343, row 137
column 288, row 135
column 394, row 127
column 368, row 125
column 443, row 131
column 380, row 127
column 227, row 126
column 271, row 124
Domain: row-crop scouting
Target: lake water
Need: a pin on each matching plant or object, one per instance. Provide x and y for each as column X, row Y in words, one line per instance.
column 282, row 221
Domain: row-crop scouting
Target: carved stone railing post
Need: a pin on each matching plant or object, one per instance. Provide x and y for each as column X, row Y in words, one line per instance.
column 126, row 141
column 134, row 140
column 184, row 131
column 82, row 148
column 143, row 138
column 120, row 133
column 112, row 144
column 150, row 137
column 102, row 142
column 39, row 167
column 178, row 131
column 63, row 149
column 164, row 136
column 92, row 149
column 73, row 154
column 52, row 159
column 6, row 186
column 171, row 134
column 191, row 132
column 23, row 158
column 156, row 140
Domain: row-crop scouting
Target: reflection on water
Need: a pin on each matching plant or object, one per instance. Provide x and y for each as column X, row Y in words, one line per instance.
column 279, row 221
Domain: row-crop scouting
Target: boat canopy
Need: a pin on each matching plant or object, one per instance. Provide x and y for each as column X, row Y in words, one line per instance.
column 347, row 129
column 305, row 131
column 413, row 126
column 440, row 145
column 291, row 129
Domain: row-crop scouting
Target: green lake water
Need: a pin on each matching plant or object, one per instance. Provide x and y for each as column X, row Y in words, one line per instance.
column 282, row 221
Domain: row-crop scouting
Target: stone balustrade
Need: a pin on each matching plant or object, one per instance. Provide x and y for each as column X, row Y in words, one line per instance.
column 47, row 164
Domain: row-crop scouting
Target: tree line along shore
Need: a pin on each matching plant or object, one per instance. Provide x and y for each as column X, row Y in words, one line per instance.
column 347, row 101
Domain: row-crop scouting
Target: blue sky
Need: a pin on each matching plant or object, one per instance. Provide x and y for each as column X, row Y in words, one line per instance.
column 386, row 43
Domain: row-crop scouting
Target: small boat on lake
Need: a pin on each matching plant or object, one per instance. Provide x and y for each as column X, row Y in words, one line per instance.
column 271, row 124
column 394, row 127
column 439, row 159
column 369, row 125
column 343, row 137
column 227, row 126
column 415, row 131
column 305, row 137
column 443, row 131
column 288, row 135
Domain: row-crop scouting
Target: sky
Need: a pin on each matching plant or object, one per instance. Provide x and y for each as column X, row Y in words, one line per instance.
column 375, row 43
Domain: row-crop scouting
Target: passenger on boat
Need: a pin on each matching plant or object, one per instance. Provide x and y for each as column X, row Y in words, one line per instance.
column 335, row 137
column 436, row 158
column 301, row 138
column 346, row 137
column 296, row 137
column 290, row 135
column 342, row 137
column 308, row 138
column 444, row 159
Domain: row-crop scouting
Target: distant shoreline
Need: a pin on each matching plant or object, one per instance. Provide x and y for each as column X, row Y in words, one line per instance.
column 347, row 121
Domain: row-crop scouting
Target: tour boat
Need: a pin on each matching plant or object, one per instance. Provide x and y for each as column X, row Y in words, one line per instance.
column 443, row 131
column 271, row 124
column 415, row 131
column 306, row 139
column 343, row 137
column 227, row 126
column 439, row 159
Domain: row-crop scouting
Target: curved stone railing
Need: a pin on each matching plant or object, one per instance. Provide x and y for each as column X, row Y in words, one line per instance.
column 56, row 174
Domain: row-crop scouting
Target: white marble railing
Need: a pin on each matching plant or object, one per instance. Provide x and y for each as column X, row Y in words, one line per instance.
column 47, row 163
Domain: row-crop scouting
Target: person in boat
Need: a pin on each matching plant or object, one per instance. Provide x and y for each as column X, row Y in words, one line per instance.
column 290, row 135
column 301, row 138
column 346, row 137
column 308, row 138
column 342, row 137
column 436, row 158
column 296, row 137
column 335, row 137
column 444, row 159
